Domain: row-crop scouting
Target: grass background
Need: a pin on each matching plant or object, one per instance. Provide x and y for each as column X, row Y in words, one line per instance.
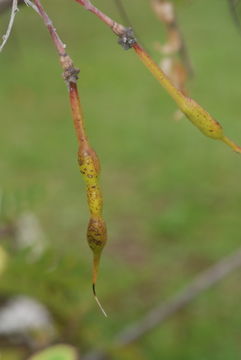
column 172, row 196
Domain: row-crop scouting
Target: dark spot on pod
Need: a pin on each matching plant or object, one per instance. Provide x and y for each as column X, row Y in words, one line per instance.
column 93, row 240
column 96, row 233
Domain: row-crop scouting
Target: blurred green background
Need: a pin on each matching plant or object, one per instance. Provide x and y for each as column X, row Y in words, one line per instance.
column 172, row 196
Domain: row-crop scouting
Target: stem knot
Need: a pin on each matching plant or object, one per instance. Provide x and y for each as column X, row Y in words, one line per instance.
column 70, row 73
column 127, row 39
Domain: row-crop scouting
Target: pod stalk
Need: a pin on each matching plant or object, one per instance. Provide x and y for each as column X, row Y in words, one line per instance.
column 230, row 143
column 98, row 302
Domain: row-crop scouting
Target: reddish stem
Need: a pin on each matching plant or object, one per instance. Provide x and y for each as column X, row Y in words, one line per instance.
column 117, row 28
column 77, row 114
column 70, row 75
column 56, row 39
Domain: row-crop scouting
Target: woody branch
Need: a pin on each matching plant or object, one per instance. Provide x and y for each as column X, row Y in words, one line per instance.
column 117, row 28
column 70, row 74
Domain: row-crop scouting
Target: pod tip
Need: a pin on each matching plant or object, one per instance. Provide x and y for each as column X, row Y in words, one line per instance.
column 230, row 143
column 98, row 302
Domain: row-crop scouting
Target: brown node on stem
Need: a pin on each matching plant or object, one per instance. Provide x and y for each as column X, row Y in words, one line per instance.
column 70, row 72
column 127, row 39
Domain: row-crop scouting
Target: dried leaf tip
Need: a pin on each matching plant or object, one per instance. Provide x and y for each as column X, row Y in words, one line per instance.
column 98, row 302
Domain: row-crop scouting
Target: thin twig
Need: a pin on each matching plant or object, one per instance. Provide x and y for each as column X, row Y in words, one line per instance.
column 32, row 5
column 157, row 316
column 165, row 11
column 201, row 283
column 185, row 55
column 123, row 12
column 125, row 17
column 10, row 25
column 117, row 28
column 60, row 46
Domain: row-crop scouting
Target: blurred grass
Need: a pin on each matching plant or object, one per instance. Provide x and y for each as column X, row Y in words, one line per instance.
column 172, row 197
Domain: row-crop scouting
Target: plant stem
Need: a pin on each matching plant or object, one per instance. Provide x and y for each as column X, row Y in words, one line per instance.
column 155, row 317
column 87, row 158
column 159, row 74
column 193, row 111
column 117, row 28
column 77, row 114
column 11, row 22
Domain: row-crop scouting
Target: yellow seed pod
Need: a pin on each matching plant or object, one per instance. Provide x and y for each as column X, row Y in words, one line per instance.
column 193, row 111
column 96, row 234
column 201, row 119
column 90, row 169
column 89, row 165
column 95, row 200
column 97, row 237
column 205, row 122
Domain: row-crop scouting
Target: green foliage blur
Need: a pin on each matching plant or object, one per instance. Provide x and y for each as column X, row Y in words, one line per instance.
column 172, row 197
column 57, row 352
